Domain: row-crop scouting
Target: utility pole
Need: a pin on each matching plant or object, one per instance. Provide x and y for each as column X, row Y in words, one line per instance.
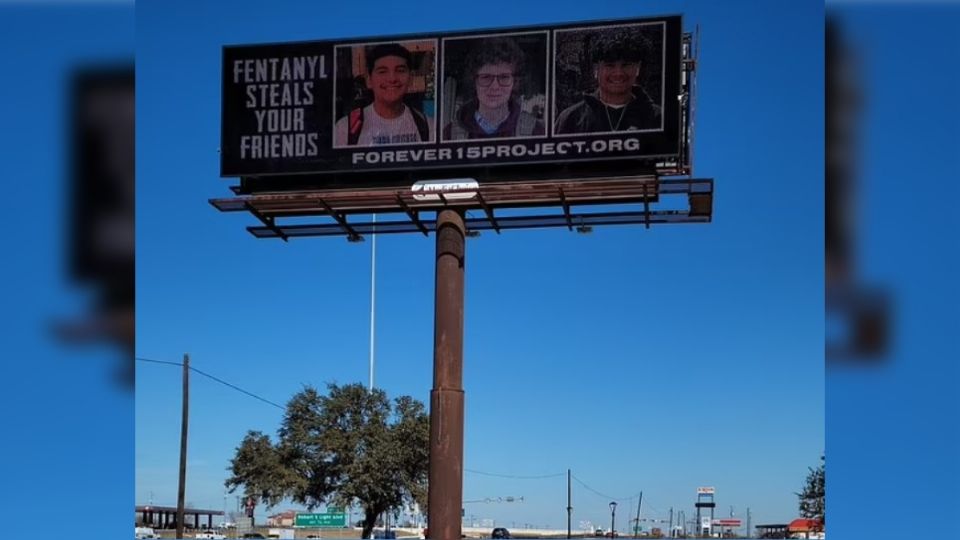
column 181, row 488
column 671, row 522
column 748, row 523
column 569, row 506
column 636, row 525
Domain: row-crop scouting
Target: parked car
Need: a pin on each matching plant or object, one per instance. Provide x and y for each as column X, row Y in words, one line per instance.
column 253, row 535
column 500, row 532
column 210, row 534
column 145, row 532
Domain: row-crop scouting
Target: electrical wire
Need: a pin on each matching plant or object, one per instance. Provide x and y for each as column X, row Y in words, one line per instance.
column 139, row 359
column 515, row 477
column 590, row 489
column 221, row 381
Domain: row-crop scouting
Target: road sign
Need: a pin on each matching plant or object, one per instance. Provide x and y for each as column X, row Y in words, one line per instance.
column 330, row 520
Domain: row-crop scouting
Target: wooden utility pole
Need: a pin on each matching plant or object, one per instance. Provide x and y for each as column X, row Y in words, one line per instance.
column 181, row 488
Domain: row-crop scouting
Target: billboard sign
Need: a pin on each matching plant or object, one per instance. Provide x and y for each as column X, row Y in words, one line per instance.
column 706, row 491
column 729, row 522
column 559, row 94
column 338, row 519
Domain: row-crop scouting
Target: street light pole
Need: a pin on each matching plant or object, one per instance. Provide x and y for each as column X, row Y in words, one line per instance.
column 613, row 519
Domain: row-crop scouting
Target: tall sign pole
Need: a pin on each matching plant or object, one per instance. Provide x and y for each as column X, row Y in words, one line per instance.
column 445, row 492
column 569, row 506
column 181, row 487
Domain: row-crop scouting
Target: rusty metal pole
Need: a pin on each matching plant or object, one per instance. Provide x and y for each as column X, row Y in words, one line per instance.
column 445, row 492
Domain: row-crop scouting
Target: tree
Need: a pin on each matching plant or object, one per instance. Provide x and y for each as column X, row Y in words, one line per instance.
column 348, row 447
column 812, row 498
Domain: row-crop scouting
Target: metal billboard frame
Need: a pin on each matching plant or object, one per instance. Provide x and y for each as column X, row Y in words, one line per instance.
column 630, row 182
column 347, row 212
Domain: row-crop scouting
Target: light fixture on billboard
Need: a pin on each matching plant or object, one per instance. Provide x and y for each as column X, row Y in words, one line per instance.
column 584, row 229
column 453, row 189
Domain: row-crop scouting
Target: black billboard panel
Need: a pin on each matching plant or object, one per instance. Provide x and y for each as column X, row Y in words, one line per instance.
column 458, row 101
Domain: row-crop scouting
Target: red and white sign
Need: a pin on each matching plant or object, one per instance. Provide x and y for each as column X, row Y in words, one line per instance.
column 727, row 523
column 706, row 491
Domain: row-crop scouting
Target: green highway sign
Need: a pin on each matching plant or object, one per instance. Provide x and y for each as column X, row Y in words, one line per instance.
column 321, row 520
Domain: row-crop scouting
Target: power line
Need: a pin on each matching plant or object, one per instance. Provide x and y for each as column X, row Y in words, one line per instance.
column 588, row 488
column 178, row 364
column 221, row 381
column 237, row 388
column 515, row 477
column 538, row 477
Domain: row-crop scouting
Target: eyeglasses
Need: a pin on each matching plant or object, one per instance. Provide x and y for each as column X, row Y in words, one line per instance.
column 503, row 79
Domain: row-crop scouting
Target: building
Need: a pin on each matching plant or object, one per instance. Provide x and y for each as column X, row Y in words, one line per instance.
column 805, row 528
column 772, row 530
column 283, row 519
column 165, row 517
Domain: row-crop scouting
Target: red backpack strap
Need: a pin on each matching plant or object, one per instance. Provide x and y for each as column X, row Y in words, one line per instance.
column 355, row 124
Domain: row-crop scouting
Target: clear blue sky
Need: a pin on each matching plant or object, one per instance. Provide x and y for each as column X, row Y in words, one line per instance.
column 657, row 360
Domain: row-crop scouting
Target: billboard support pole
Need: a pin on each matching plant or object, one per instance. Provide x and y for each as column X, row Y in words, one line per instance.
column 445, row 491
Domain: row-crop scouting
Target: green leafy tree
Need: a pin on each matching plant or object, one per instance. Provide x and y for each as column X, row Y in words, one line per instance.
column 352, row 446
column 812, row 499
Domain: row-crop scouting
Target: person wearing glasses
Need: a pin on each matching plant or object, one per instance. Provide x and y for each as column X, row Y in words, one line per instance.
column 618, row 104
column 493, row 73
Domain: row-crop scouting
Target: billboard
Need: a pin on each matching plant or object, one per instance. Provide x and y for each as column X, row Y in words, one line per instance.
column 706, row 491
column 456, row 101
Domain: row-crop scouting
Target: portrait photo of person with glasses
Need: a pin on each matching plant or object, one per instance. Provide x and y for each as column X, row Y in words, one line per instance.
column 624, row 72
column 495, row 87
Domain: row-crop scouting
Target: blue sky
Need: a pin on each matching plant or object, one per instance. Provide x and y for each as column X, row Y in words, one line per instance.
column 657, row 360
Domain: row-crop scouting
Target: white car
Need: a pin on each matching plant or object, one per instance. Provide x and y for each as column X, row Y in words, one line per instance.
column 145, row 532
column 209, row 534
